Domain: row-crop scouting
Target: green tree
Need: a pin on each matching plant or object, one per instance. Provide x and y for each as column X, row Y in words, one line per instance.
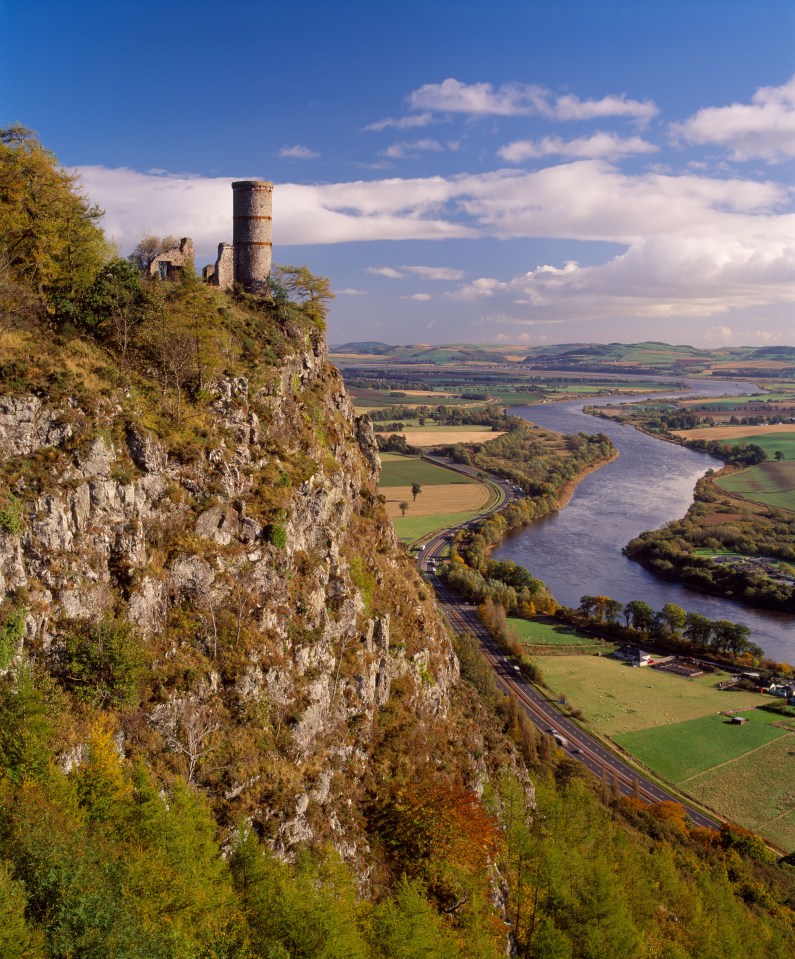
column 698, row 629
column 313, row 293
column 101, row 663
column 114, row 305
column 408, row 927
column 416, row 489
column 48, row 230
column 17, row 939
column 403, row 507
column 673, row 618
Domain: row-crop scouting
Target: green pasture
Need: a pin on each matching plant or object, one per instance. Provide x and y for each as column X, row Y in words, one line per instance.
column 683, row 750
column 536, row 632
column 770, row 443
column 398, row 470
column 617, row 699
column 755, row 790
column 411, row 528
column 772, row 484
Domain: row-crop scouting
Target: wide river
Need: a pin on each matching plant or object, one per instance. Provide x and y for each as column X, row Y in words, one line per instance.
column 578, row 549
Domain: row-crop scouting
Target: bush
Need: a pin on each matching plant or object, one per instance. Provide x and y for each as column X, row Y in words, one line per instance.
column 11, row 518
column 11, row 632
column 101, row 663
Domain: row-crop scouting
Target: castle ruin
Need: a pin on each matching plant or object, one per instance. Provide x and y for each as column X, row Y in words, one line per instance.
column 247, row 260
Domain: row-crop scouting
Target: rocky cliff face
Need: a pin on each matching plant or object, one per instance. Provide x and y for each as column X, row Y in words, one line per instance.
column 275, row 610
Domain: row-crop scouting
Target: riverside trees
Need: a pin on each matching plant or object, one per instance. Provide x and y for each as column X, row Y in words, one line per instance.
column 672, row 625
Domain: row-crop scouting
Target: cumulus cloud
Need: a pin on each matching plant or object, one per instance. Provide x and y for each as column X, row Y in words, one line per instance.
column 523, row 99
column 607, row 146
column 421, row 297
column 298, row 152
column 659, row 277
column 762, row 129
column 570, row 107
column 453, row 96
column 401, row 123
column 201, row 207
column 411, row 148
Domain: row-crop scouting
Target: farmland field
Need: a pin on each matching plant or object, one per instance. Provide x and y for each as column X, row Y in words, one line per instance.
column 434, row 500
column 770, row 483
column 430, row 436
column 397, row 470
column 447, row 498
column 755, row 790
column 684, row 750
column 737, row 432
column 536, row 632
column 411, row 528
column 617, row 699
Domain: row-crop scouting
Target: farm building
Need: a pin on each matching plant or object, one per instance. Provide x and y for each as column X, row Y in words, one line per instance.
column 634, row 656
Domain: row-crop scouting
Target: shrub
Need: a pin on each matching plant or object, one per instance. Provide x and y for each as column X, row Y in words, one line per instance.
column 11, row 518
column 277, row 535
column 11, row 632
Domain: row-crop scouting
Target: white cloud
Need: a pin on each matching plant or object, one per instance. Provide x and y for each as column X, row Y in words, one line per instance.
column 570, row 107
column 401, row 123
column 389, row 272
column 349, row 291
column 599, row 145
column 523, row 99
column 298, row 152
column 411, row 148
column 453, row 96
column 693, row 245
column 421, row 297
column 762, row 129
column 436, row 272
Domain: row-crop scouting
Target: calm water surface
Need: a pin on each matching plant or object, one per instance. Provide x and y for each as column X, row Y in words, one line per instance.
column 578, row 550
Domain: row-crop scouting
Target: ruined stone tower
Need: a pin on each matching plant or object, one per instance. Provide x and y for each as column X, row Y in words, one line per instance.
column 252, row 232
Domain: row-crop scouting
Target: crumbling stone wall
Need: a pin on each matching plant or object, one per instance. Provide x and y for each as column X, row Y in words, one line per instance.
column 168, row 264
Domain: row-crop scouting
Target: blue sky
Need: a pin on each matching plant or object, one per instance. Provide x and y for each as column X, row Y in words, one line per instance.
column 518, row 172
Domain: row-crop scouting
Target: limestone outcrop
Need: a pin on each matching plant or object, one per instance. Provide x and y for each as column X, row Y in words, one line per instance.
column 263, row 565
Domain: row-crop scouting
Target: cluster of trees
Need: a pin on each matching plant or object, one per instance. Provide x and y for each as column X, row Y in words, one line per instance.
column 755, row 531
column 747, row 454
column 540, row 463
column 504, row 583
column 671, row 624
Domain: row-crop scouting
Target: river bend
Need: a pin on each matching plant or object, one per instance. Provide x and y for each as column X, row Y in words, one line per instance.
column 578, row 549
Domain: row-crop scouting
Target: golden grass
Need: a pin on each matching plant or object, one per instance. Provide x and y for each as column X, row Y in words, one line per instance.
column 446, row 437
column 453, row 498
column 733, row 432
